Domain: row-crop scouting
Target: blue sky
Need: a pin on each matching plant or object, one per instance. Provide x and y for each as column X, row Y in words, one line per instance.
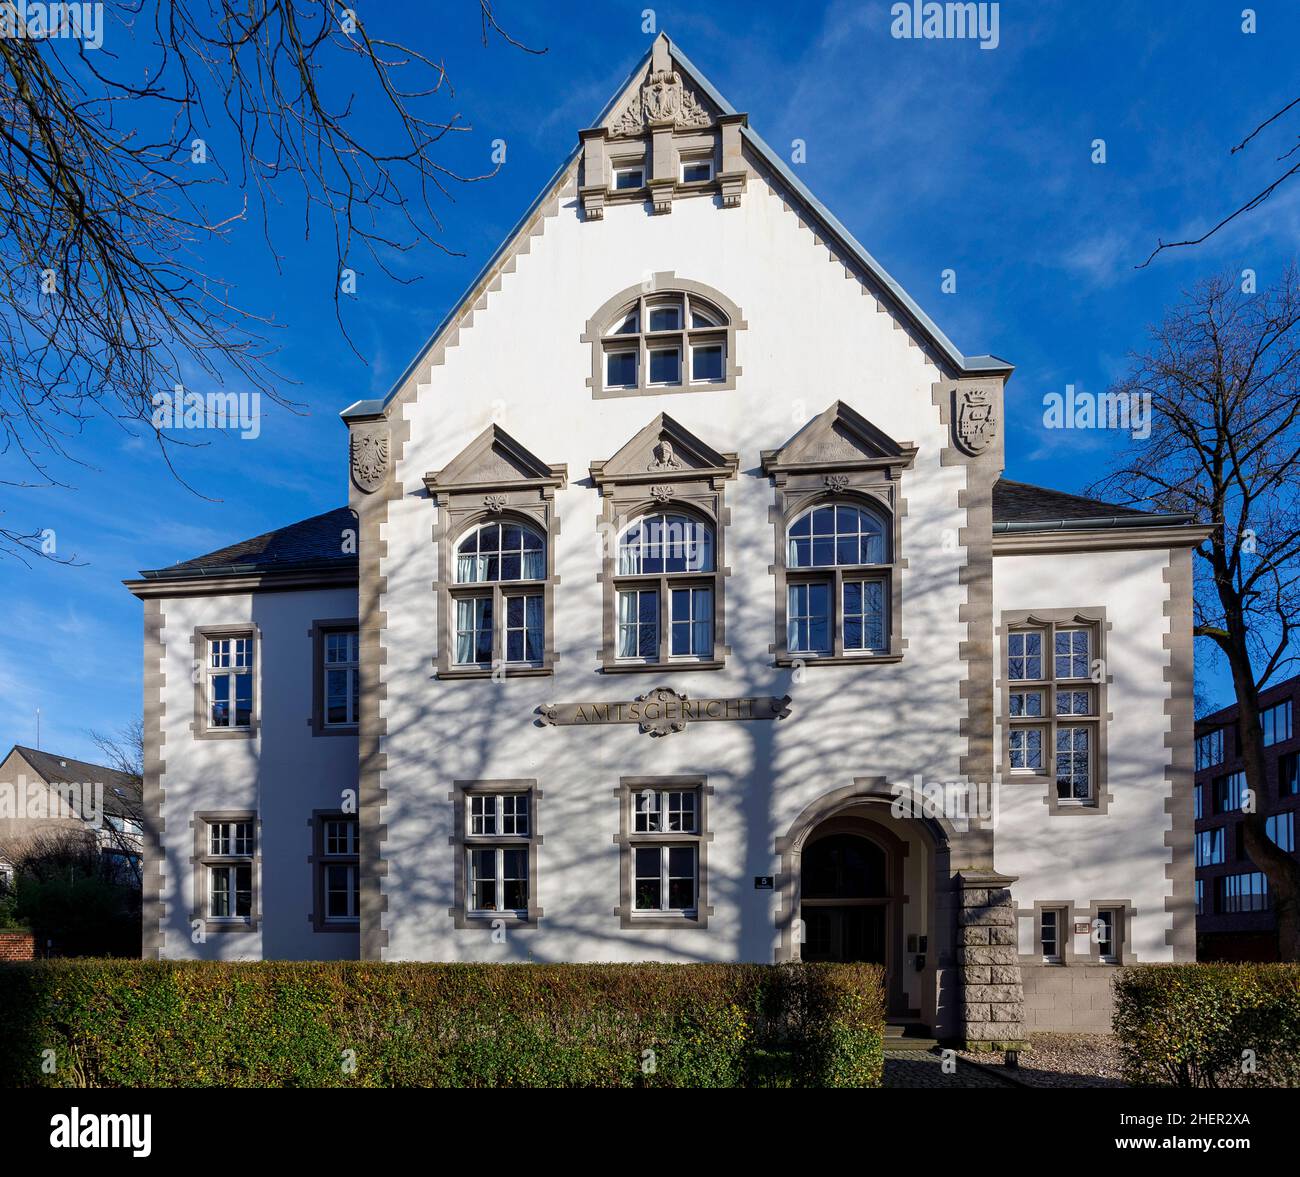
column 936, row 154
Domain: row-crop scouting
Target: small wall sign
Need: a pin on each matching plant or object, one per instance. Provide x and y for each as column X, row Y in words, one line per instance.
column 763, row 882
column 1082, row 928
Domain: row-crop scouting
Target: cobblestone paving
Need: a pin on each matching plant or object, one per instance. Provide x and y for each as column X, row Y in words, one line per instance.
column 914, row 1068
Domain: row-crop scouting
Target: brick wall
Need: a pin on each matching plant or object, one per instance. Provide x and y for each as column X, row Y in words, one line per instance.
column 17, row 946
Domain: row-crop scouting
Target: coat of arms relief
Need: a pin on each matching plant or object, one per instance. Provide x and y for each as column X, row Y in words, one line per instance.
column 663, row 97
column 368, row 451
column 975, row 425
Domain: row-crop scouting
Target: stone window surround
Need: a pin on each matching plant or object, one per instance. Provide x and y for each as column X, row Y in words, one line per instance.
column 461, row 841
column 1072, row 911
column 695, row 492
column 662, row 283
column 1094, row 618
column 461, row 508
column 317, row 862
column 626, row 840
column 877, row 487
column 199, row 727
column 637, row 152
column 319, row 628
column 202, row 859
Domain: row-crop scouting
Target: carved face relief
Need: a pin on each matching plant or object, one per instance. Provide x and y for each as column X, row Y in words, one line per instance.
column 664, row 458
column 368, row 448
column 976, row 423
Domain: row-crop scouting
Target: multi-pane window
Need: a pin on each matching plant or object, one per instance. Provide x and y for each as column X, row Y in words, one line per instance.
column 1106, row 932
column 664, row 586
column 229, row 672
column 1240, row 893
column 497, row 849
column 837, row 582
column 228, row 863
column 340, row 870
column 1209, row 749
column 1209, row 847
column 1280, row 827
column 1050, row 932
column 342, row 678
column 1276, row 722
column 498, row 598
column 1229, row 792
column 1053, row 720
column 664, row 846
column 669, row 340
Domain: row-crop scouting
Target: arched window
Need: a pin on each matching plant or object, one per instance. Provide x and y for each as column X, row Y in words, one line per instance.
column 499, row 614
column 664, row 584
column 838, row 583
column 677, row 337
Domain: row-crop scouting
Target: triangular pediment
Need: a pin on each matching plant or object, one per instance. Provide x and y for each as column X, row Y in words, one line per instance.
column 840, row 438
column 664, row 449
column 661, row 91
column 494, row 459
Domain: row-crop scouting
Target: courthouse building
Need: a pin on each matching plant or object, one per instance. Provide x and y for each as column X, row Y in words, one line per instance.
column 678, row 557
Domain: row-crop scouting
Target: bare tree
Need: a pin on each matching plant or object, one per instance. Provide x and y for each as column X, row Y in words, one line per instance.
column 123, row 752
column 1223, row 376
column 120, row 164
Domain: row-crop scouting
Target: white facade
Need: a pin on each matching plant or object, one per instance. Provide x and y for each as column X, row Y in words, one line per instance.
column 814, row 324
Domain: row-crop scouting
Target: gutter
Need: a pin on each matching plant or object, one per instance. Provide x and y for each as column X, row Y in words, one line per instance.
column 1098, row 524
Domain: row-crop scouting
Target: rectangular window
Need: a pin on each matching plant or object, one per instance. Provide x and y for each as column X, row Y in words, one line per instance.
column 1026, row 704
column 1200, row 897
column 1276, row 722
column 342, row 686
column 1235, row 894
column 708, row 362
column 1026, row 749
column 665, row 879
column 1198, row 794
column 1050, row 935
column 1073, row 763
column 1106, row 932
column 628, row 178
column 230, row 682
column 1071, row 653
column 1229, row 792
column 1074, row 703
column 864, row 616
column 692, row 622
column 663, row 850
column 524, row 628
column 1288, row 775
column 638, row 624
column 620, row 368
column 226, row 859
column 1209, row 847
column 497, row 852
column 1025, row 656
column 473, row 631
column 808, row 618
column 665, row 364
column 665, row 316
column 339, row 870
column 1281, row 829
column 1209, row 749
column 697, row 171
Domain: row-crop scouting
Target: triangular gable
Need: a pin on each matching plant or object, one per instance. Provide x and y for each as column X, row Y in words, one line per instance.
column 492, row 460
column 839, row 438
column 710, row 100
column 664, row 450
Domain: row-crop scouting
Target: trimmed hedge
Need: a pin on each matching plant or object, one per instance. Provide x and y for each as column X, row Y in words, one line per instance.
column 1190, row 1025
column 360, row 1024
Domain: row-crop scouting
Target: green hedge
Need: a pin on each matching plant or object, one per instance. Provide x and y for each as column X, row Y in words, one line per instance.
column 341, row 1024
column 1192, row 1025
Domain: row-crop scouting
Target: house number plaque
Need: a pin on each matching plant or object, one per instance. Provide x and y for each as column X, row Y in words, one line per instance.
column 661, row 711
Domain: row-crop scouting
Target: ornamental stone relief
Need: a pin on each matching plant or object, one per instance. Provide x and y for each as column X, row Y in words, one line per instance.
column 663, row 98
column 368, row 452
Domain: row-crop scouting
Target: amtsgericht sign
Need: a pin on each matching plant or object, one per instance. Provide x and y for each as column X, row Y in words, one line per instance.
column 662, row 711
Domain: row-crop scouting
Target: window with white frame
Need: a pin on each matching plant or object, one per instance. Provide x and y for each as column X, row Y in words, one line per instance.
column 1053, row 707
column 228, row 682
column 498, row 598
column 664, row 587
column 498, row 830
column 696, row 169
column 338, row 870
column 628, row 177
column 1209, row 749
column 1107, row 932
column 1276, row 723
column 671, row 340
column 838, row 570
column 1051, row 930
column 341, row 678
column 665, row 851
column 227, row 864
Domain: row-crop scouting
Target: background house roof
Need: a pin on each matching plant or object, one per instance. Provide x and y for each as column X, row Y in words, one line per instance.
column 121, row 791
column 1018, row 506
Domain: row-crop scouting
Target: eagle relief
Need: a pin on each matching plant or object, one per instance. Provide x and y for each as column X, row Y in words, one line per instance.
column 368, row 447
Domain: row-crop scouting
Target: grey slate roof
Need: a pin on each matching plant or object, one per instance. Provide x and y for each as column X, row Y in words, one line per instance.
column 121, row 792
column 1021, row 506
column 311, row 543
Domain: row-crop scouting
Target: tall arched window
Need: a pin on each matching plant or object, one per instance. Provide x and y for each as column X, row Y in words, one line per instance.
column 837, row 580
column 498, row 595
column 663, row 588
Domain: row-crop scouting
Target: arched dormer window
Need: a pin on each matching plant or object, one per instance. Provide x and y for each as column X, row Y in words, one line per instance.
column 664, row 589
column 499, row 595
column 837, row 578
column 671, row 336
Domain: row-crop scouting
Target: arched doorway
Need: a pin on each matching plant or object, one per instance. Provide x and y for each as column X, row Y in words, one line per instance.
column 845, row 898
